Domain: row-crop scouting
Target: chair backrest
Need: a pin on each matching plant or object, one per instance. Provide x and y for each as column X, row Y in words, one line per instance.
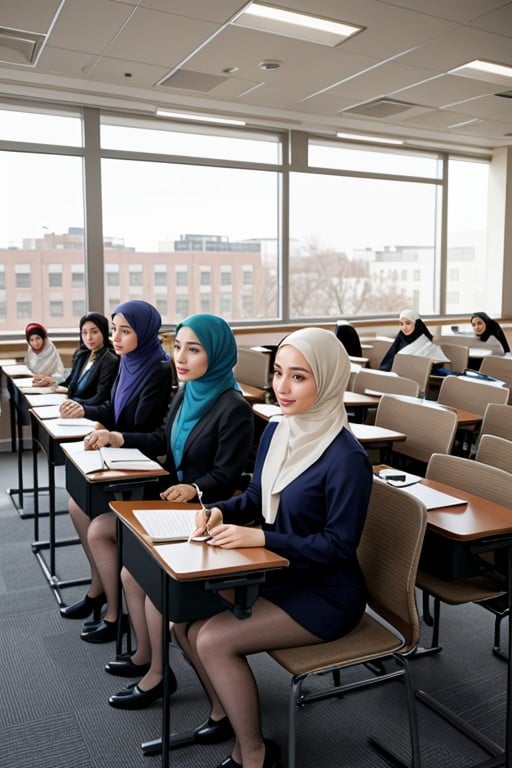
column 458, row 356
column 253, row 367
column 413, row 367
column 375, row 348
column 349, row 337
column 470, row 395
column 384, row 381
column 495, row 451
column 500, row 368
column 429, row 429
column 497, row 421
column 389, row 553
column 472, row 476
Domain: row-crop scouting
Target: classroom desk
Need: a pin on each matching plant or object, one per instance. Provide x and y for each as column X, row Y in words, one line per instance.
column 22, row 394
column 478, row 519
column 95, row 489
column 254, row 394
column 369, row 435
column 184, row 580
column 49, row 434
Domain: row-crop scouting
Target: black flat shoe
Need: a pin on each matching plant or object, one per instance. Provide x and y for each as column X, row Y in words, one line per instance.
column 272, row 755
column 103, row 632
column 126, row 668
column 134, row 698
column 213, row 731
column 84, row 607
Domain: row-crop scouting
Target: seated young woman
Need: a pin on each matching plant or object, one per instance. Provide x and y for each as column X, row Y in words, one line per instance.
column 307, row 501
column 413, row 338
column 490, row 331
column 206, row 439
column 138, row 401
column 42, row 356
column 93, row 368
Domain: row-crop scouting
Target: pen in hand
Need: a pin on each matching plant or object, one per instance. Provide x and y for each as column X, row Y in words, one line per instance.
column 207, row 512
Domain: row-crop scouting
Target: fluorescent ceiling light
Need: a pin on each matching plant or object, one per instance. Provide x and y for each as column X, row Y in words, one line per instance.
column 199, row 118
column 364, row 137
column 484, row 70
column 301, row 26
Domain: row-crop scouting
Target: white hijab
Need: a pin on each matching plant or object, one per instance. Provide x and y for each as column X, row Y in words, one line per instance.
column 299, row 441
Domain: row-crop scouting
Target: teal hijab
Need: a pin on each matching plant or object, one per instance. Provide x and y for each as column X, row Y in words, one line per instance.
column 199, row 395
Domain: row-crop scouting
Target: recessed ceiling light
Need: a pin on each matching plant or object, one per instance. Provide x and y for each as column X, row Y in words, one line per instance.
column 301, row 26
column 484, row 70
column 364, row 137
column 198, row 117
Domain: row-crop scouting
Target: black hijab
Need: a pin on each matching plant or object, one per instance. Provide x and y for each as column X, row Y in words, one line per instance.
column 492, row 328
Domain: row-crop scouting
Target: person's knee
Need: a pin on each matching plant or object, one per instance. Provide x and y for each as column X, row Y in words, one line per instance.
column 206, row 642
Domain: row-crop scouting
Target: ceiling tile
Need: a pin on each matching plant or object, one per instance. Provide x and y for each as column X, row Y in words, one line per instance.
column 445, row 90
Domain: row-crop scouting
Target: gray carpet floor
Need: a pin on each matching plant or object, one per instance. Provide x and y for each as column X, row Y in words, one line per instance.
column 54, row 690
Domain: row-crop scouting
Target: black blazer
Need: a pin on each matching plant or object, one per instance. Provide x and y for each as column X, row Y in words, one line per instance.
column 145, row 411
column 216, row 450
column 100, row 376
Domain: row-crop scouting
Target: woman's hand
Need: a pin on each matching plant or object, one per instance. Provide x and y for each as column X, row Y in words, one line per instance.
column 181, row 492
column 206, row 520
column 234, row 536
column 71, row 410
column 97, row 439
column 43, row 381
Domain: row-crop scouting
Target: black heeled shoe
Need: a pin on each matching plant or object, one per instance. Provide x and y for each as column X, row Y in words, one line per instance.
column 133, row 697
column 126, row 668
column 84, row 607
column 213, row 731
column 104, row 631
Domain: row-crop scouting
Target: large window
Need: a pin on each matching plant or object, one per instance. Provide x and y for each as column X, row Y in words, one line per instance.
column 468, row 273
column 41, row 233
column 361, row 246
column 192, row 220
column 208, row 225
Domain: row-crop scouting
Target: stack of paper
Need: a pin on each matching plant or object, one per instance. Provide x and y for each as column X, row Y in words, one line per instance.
column 167, row 524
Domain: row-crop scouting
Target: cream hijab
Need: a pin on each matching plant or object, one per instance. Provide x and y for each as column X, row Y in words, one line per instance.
column 299, row 441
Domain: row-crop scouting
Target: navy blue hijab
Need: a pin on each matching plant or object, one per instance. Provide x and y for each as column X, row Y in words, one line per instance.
column 138, row 366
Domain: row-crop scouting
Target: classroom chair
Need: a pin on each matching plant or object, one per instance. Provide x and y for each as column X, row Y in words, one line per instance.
column 495, row 451
column 500, row 368
column 253, row 368
column 388, row 553
column 413, row 367
column 497, row 421
column 375, row 348
column 482, row 584
column 429, row 430
column 367, row 381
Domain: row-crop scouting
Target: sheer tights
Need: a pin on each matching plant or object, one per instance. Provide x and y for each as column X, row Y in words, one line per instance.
column 218, row 646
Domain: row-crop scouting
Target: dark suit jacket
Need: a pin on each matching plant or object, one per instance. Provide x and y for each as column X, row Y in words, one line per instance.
column 100, row 376
column 216, row 450
column 145, row 411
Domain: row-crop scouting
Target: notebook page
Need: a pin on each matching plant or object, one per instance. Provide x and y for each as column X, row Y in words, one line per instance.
column 167, row 524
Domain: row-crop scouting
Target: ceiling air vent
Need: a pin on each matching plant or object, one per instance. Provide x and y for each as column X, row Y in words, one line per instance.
column 20, row 47
column 379, row 108
column 193, row 81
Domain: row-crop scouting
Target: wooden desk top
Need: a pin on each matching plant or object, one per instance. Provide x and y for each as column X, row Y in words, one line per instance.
column 186, row 561
column 472, row 521
column 73, row 450
column 365, row 433
column 253, row 394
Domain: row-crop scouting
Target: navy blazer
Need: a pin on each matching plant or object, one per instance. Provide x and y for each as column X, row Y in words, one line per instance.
column 216, row 451
column 145, row 411
column 100, row 376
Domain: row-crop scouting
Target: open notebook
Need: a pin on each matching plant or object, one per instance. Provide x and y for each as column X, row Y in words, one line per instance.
column 113, row 458
column 167, row 524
